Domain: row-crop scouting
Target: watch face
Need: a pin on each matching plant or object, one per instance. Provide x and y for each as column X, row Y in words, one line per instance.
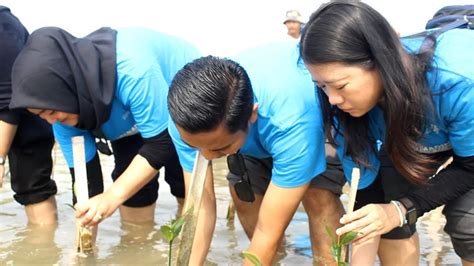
column 411, row 216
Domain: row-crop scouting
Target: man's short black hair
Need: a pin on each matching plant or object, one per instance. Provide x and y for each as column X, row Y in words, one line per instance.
column 208, row 92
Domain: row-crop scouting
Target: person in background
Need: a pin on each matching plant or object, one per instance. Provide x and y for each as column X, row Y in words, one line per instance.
column 110, row 84
column 262, row 114
column 24, row 137
column 398, row 110
column 294, row 23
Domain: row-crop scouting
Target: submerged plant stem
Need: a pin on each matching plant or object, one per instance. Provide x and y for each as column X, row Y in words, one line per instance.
column 170, row 252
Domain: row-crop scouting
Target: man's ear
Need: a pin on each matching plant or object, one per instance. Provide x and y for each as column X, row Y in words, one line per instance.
column 253, row 116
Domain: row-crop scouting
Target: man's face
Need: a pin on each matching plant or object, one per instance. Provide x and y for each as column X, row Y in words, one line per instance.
column 294, row 28
column 218, row 142
column 215, row 143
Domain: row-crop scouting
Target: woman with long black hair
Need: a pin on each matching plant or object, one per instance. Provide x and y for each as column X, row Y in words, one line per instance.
column 398, row 109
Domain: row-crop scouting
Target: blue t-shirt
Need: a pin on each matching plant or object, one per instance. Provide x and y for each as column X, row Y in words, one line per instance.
column 451, row 127
column 289, row 126
column 146, row 64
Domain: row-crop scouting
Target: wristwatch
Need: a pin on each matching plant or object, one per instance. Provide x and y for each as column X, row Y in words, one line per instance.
column 411, row 215
column 2, row 160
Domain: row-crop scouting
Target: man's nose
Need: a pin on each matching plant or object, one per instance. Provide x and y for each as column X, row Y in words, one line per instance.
column 210, row 155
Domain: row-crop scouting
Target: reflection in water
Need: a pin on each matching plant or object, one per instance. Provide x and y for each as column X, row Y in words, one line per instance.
column 299, row 241
column 124, row 243
column 137, row 241
column 33, row 244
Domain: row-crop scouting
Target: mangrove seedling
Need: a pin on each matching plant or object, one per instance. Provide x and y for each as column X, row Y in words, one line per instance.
column 253, row 258
column 340, row 244
column 84, row 237
column 172, row 229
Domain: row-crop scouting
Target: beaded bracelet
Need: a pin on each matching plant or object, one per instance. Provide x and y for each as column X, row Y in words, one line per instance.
column 398, row 205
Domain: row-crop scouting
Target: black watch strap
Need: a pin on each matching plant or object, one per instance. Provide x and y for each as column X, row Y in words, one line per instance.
column 411, row 215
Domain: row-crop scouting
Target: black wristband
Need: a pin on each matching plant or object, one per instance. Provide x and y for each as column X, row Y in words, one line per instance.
column 411, row 215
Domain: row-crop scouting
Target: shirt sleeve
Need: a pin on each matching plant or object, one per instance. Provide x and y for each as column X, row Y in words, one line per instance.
column 10, row 116
column 298, row 153
column 64, row 133
column 186, row 154
column 441, row 189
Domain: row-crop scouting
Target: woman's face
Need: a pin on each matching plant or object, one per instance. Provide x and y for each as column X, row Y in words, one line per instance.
column 56, row 116
column 353, row 89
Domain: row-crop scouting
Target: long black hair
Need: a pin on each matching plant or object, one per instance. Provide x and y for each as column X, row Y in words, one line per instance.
column 353, row 33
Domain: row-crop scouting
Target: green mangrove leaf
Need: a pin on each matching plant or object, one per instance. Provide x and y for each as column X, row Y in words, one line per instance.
column 335, row 251
column 177, row 225
column 330, row 233
column 348, row 237
column 172, row 229
column 252, row 258
column 167, row 232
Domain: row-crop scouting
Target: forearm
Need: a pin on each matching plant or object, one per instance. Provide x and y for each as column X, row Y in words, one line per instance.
column 7, row 133
column 206, row 220
column 278, row 207
column 264, row 245
column 449, row 184
column 137, row 175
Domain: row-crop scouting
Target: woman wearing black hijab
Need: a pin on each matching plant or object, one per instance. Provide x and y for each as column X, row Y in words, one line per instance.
column 26, row 139
column 110, row 84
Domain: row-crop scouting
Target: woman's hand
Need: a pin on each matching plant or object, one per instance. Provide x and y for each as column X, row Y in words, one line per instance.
column 97, row 209
column 370, row 221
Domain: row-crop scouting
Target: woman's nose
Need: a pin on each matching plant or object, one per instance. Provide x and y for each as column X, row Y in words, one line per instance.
column 334, row 97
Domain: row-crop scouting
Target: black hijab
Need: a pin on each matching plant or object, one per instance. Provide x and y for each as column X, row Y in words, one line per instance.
column 13, row 36
column 57, row 71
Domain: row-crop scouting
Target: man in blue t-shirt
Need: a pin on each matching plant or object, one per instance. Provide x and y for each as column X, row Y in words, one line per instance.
column 263, row 114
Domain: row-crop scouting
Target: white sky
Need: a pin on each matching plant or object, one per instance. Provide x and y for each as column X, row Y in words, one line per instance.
column 218, row 27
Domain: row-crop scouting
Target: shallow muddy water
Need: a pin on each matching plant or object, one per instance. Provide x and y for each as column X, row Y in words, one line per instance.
column 141, row 245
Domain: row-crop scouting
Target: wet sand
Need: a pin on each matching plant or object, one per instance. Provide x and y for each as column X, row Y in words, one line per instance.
column 140, row 245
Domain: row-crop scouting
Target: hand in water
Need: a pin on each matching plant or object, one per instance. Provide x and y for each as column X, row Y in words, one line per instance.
column 96, row 209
